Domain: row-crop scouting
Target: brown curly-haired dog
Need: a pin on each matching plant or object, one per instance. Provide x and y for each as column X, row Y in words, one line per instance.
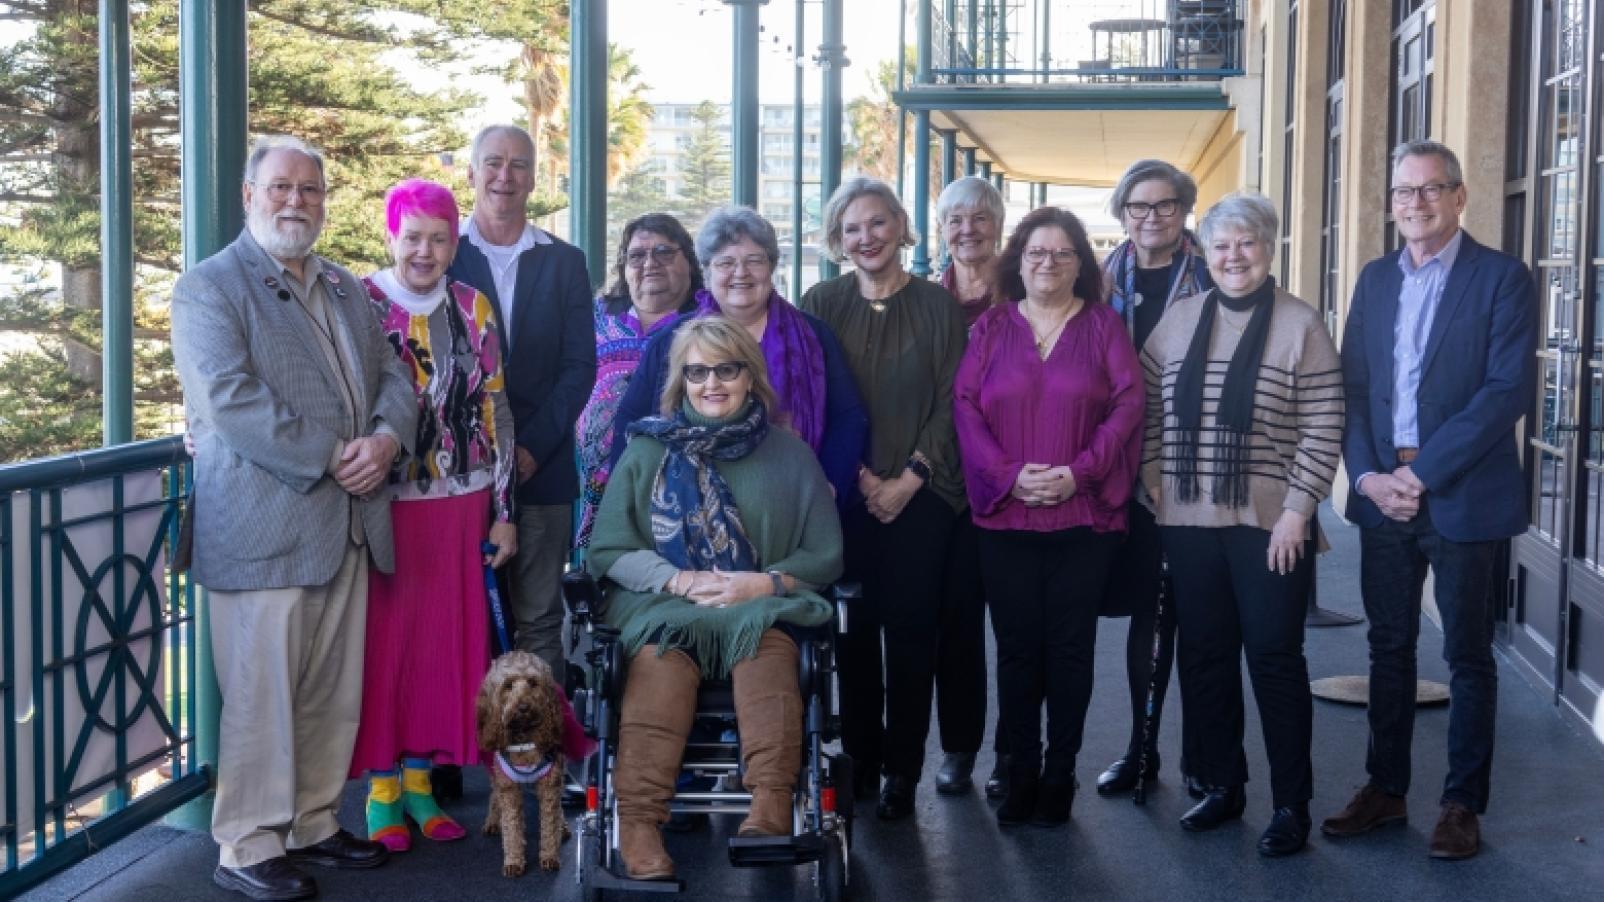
column 521, row 723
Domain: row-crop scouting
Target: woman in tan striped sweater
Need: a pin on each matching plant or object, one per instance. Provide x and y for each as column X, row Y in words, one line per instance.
column 1244, row 429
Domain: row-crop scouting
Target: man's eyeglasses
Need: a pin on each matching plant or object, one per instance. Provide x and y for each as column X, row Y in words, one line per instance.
column 728, row 371
column 278, row 192
column 663, row 254
column 1164, row 208
column 1403, row 194
column 754, row 262
column 1063, row 256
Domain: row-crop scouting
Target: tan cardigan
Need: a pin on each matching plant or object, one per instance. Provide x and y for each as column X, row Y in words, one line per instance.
column 1297, row 416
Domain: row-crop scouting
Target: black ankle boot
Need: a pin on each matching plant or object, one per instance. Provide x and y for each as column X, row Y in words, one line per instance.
column 1288, row 831
column 1053, row 800
column 1020, row 803
column 1220, row 804
column 997, row 783
column 1124, row 774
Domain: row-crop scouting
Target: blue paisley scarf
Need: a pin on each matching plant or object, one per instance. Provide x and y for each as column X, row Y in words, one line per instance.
column 695, row 523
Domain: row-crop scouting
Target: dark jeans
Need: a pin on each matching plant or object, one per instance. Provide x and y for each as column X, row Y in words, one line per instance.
column 961, row 657
column 1135, row 581
column 900, row 565
column 1228, row 602
column 1392, row 573
column 1044, row 590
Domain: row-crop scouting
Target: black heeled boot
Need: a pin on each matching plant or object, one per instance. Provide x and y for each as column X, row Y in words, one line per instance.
column 1020, row 803
column 1124, row 774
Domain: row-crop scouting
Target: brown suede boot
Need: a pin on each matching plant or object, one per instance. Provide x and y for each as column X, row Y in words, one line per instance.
column 768, row 711
column 659, row 704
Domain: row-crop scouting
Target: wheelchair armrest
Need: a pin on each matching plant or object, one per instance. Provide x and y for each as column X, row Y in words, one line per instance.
column 845, row 595
column 582, row 596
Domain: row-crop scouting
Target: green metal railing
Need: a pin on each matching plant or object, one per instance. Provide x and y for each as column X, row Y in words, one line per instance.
column 97, row 682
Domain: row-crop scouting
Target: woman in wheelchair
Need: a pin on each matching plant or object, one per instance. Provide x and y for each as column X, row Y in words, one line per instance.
column 716, row 527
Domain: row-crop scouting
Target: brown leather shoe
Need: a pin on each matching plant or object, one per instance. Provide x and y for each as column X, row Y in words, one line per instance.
column 1458, row 835
column 1372, row 807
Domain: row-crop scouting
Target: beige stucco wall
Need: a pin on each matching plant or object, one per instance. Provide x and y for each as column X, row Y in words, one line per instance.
column 1470, row 107
column 1219, row 170
column 1302, row 218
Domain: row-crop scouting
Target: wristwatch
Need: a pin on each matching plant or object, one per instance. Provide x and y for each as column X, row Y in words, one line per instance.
column 779, row 583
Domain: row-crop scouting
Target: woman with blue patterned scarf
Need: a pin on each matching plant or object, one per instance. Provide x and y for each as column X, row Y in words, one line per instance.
column 717, row 529
column 1159, row 262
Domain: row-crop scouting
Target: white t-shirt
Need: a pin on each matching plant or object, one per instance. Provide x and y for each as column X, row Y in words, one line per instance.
column 504, row 265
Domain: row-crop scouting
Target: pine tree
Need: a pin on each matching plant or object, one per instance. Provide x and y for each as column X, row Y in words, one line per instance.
column 705, row 166
column 639, row 192
column 319, row 69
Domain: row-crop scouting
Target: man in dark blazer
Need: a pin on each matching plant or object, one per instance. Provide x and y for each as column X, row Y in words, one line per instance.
column 297, row 406
column 542, row 290
column 1439, row 362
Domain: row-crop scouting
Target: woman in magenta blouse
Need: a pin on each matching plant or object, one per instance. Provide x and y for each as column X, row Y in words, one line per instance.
column 1048, row 407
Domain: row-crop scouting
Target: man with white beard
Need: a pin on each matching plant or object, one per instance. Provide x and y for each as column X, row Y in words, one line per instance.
column 297, row 406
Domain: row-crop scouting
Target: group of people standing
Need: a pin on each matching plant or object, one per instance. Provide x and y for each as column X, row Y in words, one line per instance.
column 1038, row 432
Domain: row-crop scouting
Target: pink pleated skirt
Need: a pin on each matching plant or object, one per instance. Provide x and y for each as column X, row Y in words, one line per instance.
column 428, row 638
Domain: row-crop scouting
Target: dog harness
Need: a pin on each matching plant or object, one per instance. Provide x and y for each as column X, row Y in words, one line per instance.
column 524, row 774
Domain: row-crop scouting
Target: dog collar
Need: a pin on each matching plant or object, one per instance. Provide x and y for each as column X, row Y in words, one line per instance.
column 524, row 774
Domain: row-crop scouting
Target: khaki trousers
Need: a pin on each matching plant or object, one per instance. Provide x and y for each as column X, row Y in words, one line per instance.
column 289, row 663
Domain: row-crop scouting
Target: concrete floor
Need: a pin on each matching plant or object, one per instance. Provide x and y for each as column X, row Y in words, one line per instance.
column 1543, row 836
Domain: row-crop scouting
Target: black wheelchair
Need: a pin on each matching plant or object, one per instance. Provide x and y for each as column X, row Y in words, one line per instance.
column 822, row 806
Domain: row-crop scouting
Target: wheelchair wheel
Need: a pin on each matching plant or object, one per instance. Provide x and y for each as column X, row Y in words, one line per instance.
column 830, row 874
column 590, row 860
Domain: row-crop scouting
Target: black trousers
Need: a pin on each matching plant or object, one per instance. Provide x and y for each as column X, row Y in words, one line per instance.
column 901, row 565
column 1228, row 602
column 961, row 656
column 1044, row 590
column 1392, row 571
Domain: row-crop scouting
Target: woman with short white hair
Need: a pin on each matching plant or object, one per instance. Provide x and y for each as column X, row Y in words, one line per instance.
column 1244, row 429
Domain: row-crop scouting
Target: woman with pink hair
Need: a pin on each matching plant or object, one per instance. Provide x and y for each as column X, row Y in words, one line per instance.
column 427, row 629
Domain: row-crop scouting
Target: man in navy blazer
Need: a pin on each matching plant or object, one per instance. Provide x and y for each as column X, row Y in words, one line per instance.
column 540, row 287
column 1439, row 363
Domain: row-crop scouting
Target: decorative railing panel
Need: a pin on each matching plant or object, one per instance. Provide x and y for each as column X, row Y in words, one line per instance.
column 96, row 685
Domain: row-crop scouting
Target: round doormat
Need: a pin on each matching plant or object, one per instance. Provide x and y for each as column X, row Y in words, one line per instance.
column 1355, row 690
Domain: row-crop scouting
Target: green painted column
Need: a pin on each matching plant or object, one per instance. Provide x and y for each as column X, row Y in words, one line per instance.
column 920, row 197
column 744, row 111
column 970, row 168
column 587, row 147
column 985, row 169
column 212, row 108
column 798, row 171
column 902, row 112
column 833, row 60
column 949, row 157
column 1001, row 181
column 116, row 226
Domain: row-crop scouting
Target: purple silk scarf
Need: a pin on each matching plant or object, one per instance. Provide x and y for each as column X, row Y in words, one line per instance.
column 796, row 364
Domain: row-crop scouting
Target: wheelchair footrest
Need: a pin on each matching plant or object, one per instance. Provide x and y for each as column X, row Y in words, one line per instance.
column 604, row 879
column 766, row 851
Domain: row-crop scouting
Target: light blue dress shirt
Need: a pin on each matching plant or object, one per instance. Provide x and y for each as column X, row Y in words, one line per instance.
column 1418, row 300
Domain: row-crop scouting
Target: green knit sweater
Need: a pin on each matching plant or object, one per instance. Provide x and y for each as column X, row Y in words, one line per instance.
column 790, row 517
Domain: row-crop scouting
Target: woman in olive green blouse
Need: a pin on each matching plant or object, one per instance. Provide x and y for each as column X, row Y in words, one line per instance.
column 903, row 338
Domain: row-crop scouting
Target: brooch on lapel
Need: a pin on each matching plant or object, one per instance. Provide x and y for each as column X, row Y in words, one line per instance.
column 334, row 280
column 273, row 283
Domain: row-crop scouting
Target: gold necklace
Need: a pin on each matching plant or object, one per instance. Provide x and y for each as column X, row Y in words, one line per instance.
column 1043, row 342
column 878, row 305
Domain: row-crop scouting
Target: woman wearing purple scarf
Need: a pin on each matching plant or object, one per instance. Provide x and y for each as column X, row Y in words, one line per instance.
column 819, row 401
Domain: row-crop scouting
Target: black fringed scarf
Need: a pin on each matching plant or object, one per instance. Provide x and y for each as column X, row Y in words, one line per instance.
column 1233, row 418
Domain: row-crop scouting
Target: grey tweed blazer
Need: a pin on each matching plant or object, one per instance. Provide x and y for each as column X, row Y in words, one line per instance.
column 265, row 410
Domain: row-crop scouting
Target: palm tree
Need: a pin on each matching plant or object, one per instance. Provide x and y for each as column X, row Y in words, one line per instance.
column 628, row 113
